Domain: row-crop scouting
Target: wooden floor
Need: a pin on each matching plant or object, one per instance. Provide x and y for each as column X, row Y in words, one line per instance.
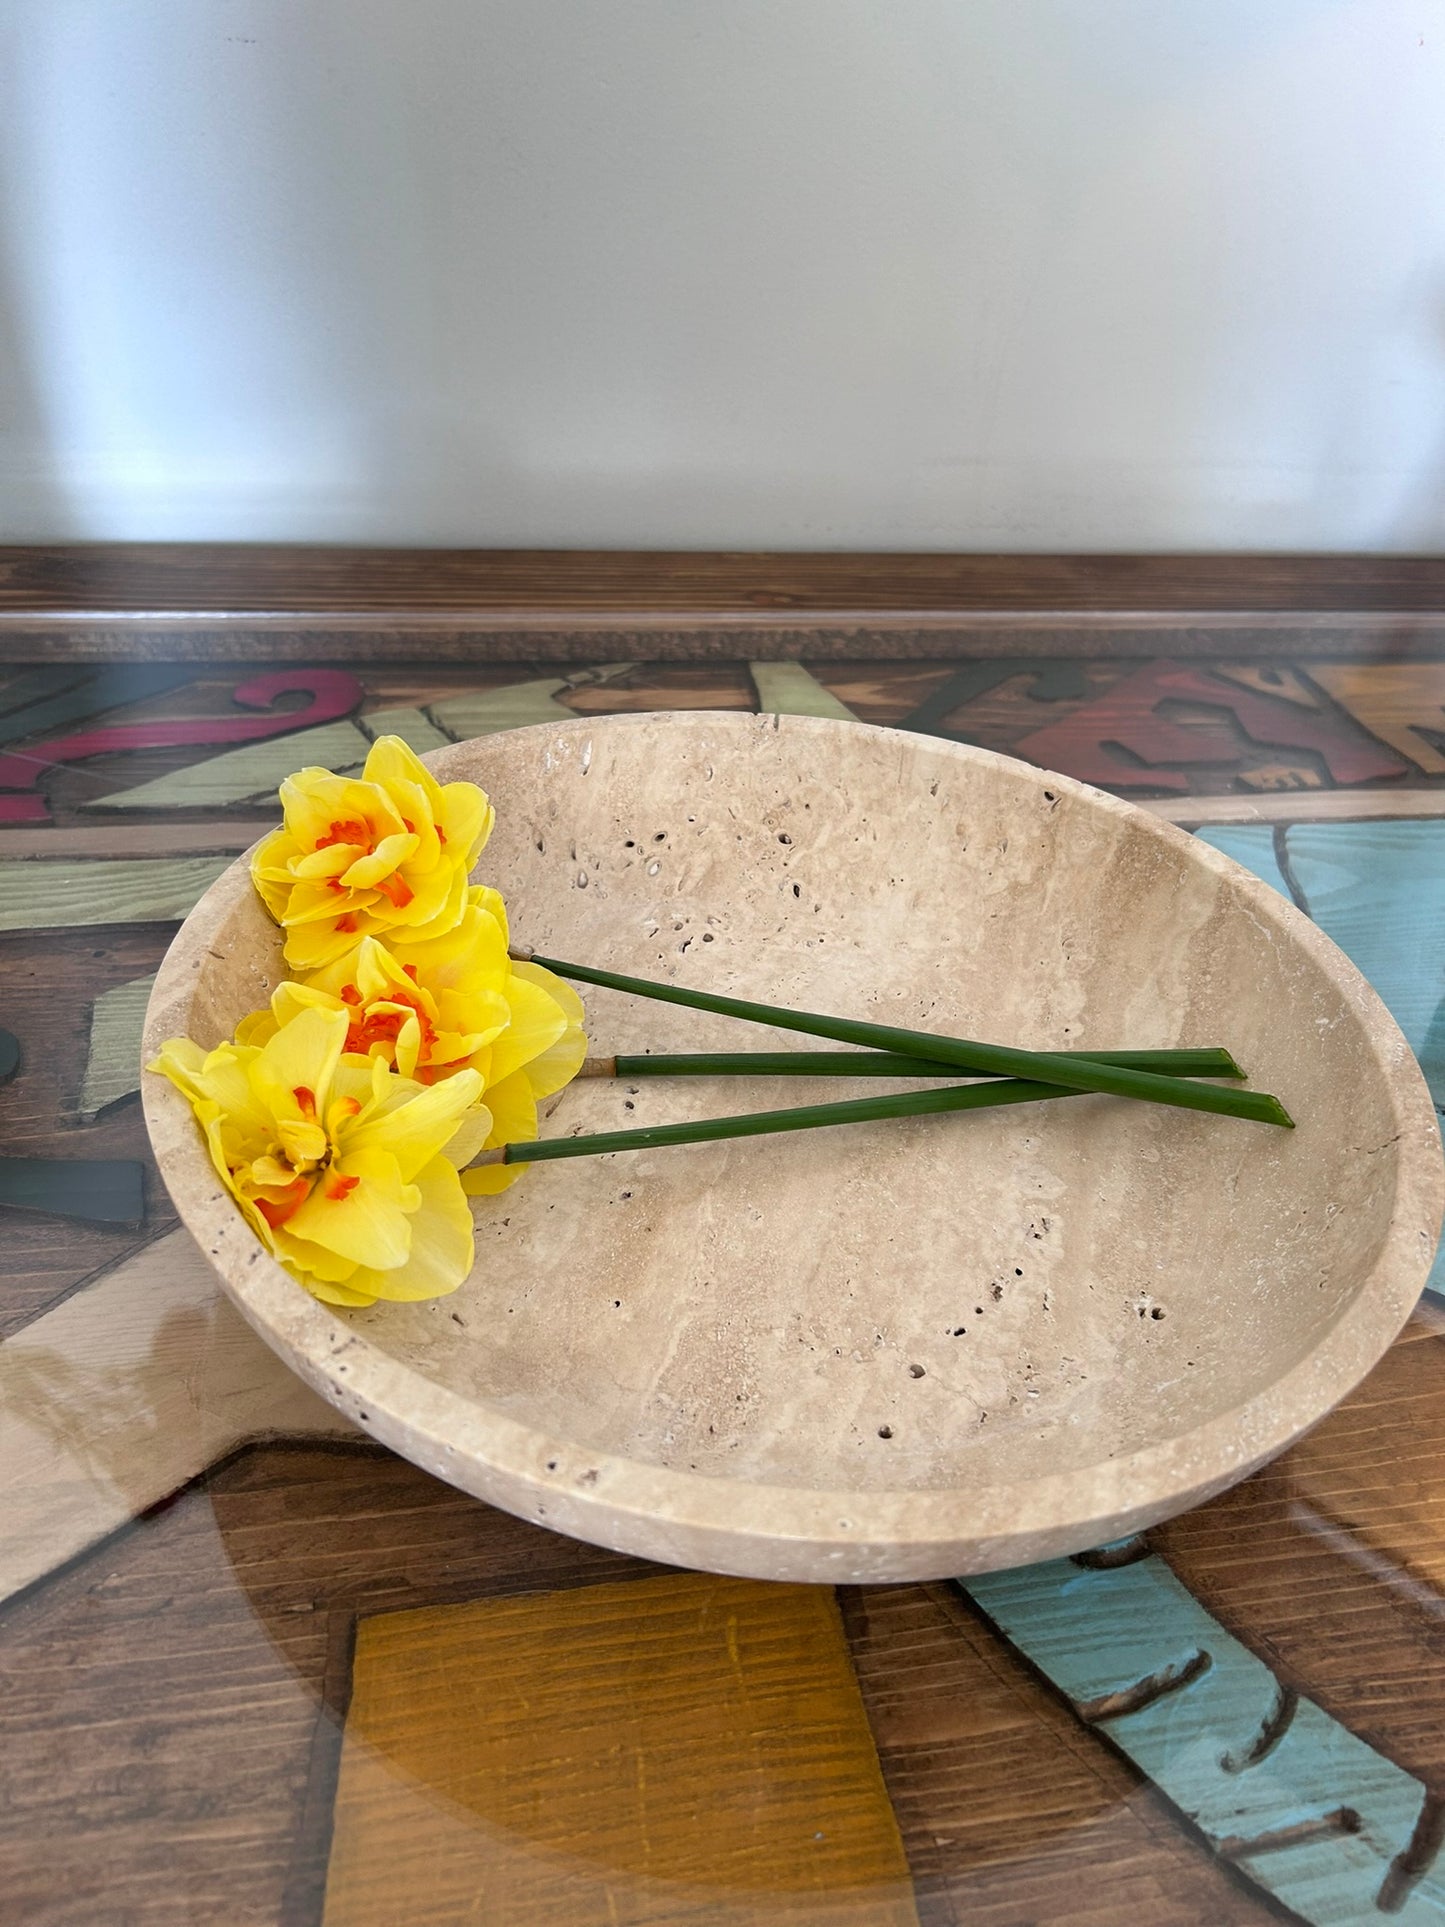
column 254, row 1669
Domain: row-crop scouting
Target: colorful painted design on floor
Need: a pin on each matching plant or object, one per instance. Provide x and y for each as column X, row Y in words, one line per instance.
column 125, row 1377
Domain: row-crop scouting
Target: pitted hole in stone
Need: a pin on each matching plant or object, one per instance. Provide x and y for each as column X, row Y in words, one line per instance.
column 916, row 1371
column 1157, row 1312
column 797, row 889
column 885, row 1431
column 551, row 1465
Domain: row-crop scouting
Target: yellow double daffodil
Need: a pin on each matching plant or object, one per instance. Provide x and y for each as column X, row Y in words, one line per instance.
column 386, row 854
column 408, row 1042
column 451, row 1003
column 345, row 1169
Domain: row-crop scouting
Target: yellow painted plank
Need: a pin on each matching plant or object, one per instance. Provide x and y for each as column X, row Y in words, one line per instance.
column 1397, row 701
column 684, row 1749
column 67, row 896
column 788, row 689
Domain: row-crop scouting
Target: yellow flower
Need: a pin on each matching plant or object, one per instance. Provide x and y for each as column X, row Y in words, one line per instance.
column 451, row 1003
column 337, row 1163
column 384, row 854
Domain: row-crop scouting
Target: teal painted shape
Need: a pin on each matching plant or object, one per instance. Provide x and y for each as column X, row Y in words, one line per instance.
column 1097, row 1633
column 1251, row 844
column 1378, row 890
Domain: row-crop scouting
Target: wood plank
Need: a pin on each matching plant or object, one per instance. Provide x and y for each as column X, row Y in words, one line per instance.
column 193, row 578
column 49, row 709
column 95, row 1190
column 258, row 602
column 69, row 895
column 170, row 1705
column 1008, row 1811
column 1304, row 1808
column 1331, row 1562
column 237, row 775
column 518, row 705
column 548, row 1759
column 788, row 689
column 112, row 1064
column 132, row 839
column 254, row 771
column 1298, row 806
column 512, row 706
column 415, row 728
column 1401, row 703
column 1378, row 889
column 129, row 1388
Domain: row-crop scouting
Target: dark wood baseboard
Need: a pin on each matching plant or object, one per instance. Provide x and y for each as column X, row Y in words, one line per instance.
column 233, row 602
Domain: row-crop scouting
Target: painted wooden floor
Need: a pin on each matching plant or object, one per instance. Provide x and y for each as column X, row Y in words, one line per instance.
column 252, row 1669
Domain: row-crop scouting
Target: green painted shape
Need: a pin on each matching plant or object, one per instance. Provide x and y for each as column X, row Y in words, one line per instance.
column 112, row 1067
column 415, row 728
column 788, row 689
column 1100, row 1632
column 45, row 895
column 255, row 770
column 517, row 705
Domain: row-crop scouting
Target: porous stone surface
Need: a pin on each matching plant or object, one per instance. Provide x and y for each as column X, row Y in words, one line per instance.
column 906, row 1349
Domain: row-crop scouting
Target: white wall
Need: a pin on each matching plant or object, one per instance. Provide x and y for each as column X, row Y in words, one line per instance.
column 800, row 273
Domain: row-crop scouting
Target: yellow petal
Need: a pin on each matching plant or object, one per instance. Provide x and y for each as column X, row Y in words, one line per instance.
column 370, row 1222
column 466, row 817
column 485, row 898
column 557, row 988
column 301, row 1057
column 415, row 1131
column 537, row 1023
column 488, row 1180
column 391, row 760
column 558, row 1064
column 513, row 1109
column 442, row 1246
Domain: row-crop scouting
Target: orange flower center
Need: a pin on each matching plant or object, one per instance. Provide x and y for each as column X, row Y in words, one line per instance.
column 349, row 829
column 287, row 1205
column 338, row 1187
column 396, row 888
column 384, row 1026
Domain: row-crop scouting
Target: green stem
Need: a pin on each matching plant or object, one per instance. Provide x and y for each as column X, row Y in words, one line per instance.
column 807, row 1117
column 883, row 1063
column 1082, row 1073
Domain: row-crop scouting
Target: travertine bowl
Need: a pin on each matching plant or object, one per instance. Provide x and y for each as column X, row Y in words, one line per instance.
column 898, row 1350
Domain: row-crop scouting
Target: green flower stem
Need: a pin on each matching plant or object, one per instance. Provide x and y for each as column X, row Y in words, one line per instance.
column 879, row 1063
column 1075, row 1073
column 807, row 1117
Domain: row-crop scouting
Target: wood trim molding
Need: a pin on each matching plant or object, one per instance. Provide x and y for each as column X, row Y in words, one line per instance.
column 233, row 602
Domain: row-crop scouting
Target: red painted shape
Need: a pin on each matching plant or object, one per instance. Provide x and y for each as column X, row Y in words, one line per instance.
column 333, row 693
column 1126, row 718
column 23, row 809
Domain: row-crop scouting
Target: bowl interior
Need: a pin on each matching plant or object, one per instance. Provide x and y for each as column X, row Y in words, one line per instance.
column 929, row 1304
